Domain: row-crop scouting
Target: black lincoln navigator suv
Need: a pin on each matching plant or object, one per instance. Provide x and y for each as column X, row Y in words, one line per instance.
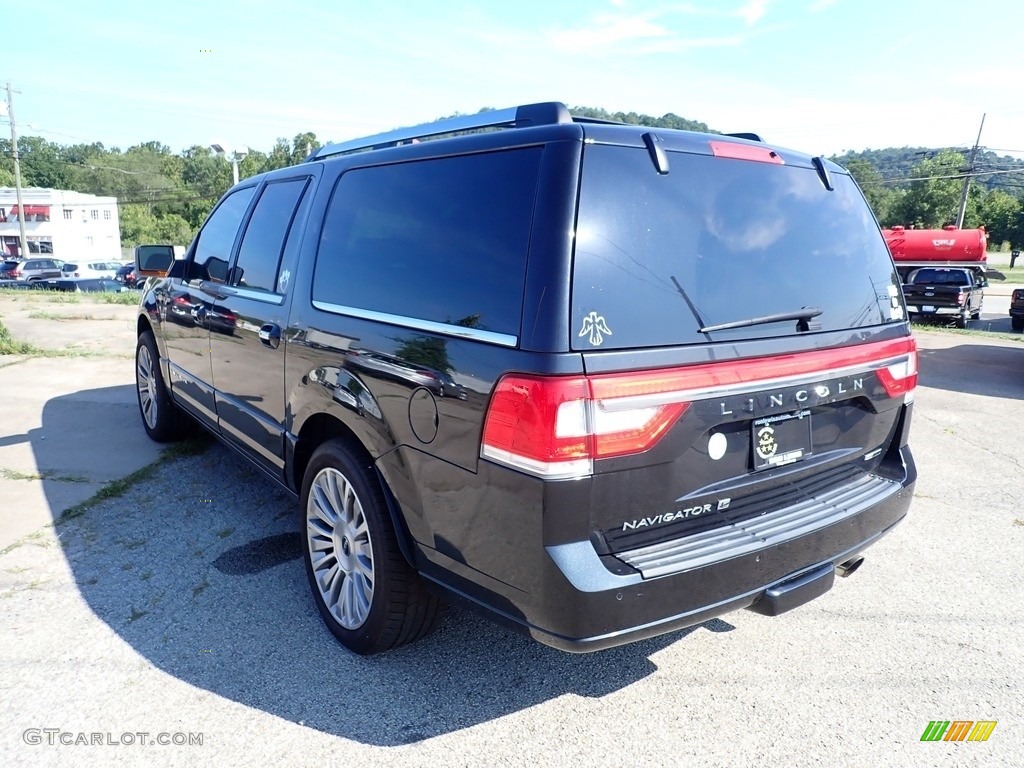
column 602, row 381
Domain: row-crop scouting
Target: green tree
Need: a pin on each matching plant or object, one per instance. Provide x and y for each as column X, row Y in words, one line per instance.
column 41, row 163
column 1002, row 215
column 933, row 200
column 879, row 197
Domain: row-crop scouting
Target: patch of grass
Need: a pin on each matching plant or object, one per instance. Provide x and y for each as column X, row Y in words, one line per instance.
column 117, row 488
column 14, row 474
column 127, row 298
column 1018, row 521
column 59, row 317
column 8, row 346
column 977, row 333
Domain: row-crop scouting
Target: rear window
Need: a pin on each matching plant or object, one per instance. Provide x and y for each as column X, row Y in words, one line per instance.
column 929, row 276
column 442, row 240
column 721, row 240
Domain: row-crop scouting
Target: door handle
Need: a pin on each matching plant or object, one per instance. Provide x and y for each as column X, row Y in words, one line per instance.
column 270, row 335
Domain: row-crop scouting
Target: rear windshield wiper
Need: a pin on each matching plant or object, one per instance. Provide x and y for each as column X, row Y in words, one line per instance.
column 801, row 314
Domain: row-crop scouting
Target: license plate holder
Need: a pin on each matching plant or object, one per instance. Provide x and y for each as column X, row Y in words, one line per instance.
column 780, row 440
column 927, row 308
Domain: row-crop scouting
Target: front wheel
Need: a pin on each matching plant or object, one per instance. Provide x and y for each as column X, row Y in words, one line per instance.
column 368, row 596
column 163, row 421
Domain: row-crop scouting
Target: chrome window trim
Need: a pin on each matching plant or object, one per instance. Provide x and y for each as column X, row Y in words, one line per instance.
column 267, row 297
column 429, row 326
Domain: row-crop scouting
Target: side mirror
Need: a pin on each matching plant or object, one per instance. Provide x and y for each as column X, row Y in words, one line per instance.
column 154, row 260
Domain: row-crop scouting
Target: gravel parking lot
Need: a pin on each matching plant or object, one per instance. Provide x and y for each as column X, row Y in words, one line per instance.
column 179, row 611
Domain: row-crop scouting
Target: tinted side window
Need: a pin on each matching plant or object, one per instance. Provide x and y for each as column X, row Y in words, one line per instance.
column 726, row 240
column 213, row 249
column 260, row 252
column 443, row 240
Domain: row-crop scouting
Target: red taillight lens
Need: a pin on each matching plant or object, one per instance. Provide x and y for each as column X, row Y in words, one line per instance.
column 538, row 424
column 960, row 298
column 556, row 426
column 900, row 378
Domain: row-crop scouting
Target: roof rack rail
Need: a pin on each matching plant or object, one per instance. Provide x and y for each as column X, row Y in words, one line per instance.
column 544, row 113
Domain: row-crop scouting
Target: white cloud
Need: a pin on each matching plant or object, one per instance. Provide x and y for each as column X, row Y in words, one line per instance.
column 607, row 30
column 753, row 11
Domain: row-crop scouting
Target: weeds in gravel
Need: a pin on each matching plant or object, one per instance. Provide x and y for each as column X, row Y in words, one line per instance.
column 14, row 474
column 116, row 488
column 8, row 346
column 45, row 315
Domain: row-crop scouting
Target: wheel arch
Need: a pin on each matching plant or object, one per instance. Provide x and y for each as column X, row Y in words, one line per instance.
column 323, row 426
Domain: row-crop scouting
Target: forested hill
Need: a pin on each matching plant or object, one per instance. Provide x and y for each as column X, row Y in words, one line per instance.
column 895, row 163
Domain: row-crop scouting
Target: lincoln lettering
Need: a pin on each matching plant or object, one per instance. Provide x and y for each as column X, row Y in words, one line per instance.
column 794, row 397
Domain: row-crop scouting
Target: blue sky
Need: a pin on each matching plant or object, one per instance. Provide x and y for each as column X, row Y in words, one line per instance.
column 816, row 75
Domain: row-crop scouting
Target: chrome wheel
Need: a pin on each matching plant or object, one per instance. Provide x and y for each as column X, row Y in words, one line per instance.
column 145, row 379
column 338, row 541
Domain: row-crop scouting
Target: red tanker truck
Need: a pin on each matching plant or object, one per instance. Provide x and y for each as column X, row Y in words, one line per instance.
column 934, row 247
column 942, row 270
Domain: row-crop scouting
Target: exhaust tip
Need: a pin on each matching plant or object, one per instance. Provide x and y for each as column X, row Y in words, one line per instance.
column 851, row 565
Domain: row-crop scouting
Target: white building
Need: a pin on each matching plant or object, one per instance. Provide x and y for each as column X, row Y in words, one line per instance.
column 70, row 225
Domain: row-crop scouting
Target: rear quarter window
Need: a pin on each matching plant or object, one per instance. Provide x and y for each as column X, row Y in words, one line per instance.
column 725, row 240
column 443, row 240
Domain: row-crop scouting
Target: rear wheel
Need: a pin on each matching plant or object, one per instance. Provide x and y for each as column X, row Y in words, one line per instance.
column 366, row 593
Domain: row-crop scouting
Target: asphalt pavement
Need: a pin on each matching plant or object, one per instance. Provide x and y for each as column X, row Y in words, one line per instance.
column 179, row 612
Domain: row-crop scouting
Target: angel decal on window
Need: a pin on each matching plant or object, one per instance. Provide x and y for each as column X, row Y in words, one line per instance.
column 595, row 326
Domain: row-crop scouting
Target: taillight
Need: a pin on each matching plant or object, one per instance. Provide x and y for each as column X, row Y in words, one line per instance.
column 960, row 298
column 900, row 378
column 555, row 427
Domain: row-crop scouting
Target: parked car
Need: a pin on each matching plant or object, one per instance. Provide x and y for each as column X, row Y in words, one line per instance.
column 1017, row 309
column 82, row 285
column 686, row 376
column 957, row 293
column 10, row 269
column 31, row 270
column 127, row 275
column 91, row 269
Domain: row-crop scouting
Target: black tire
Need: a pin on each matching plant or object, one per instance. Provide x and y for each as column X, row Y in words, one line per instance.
column 961, row 319
column 163, row 420
column 367, row 594
column 1017, row 323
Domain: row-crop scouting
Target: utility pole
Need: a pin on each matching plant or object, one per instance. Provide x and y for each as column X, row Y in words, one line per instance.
column 967, row 178
column 17, row 171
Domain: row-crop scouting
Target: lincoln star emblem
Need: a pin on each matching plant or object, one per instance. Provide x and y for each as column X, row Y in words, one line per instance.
column 766, row 445
column 594, row 326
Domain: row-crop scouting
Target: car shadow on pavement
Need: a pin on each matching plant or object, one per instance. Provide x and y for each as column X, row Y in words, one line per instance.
column 198, row 568
column 977, row 369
